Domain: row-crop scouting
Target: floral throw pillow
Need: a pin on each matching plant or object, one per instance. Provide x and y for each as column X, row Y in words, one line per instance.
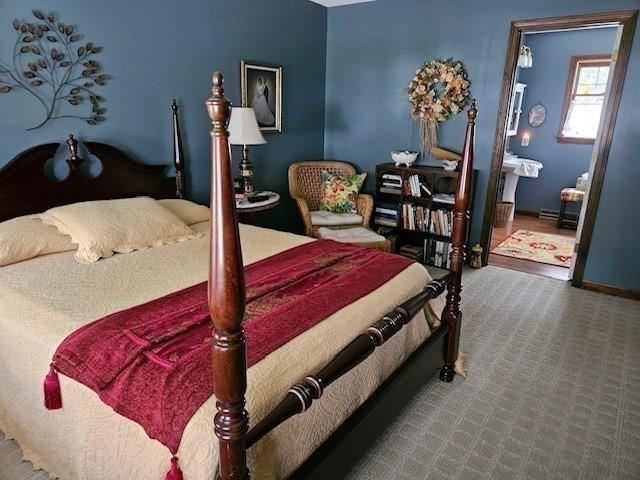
column 340, row 194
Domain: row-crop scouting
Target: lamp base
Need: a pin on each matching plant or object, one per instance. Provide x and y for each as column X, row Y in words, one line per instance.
column 246, row 172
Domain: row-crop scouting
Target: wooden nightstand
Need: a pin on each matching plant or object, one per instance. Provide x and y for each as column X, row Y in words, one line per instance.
column 246, row 209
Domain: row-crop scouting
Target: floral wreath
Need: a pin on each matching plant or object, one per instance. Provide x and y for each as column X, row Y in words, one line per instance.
column 439, row 90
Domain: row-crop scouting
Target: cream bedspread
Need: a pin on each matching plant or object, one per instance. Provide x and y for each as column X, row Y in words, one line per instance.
column 44, row 299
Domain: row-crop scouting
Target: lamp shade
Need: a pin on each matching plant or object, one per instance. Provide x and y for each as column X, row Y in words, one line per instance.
column 243, row 127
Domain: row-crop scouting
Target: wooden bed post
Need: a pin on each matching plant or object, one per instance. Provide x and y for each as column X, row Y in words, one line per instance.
column 178, row 153
column 452, row 315
column 227, row 299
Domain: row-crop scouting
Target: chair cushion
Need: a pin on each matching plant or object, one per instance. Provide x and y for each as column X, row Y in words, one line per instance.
column 320, row 218
column 351, row 235
column 340, row 194
column 571, row 195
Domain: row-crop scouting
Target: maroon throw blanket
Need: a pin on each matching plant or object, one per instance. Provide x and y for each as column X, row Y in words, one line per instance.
column 152, row 363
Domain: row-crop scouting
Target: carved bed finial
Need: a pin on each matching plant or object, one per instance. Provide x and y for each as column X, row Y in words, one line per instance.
column 218, row 106
column 472, row 113
column 74, row 159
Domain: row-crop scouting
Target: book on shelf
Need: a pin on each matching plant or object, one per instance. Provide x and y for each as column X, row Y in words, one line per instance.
column 412, row 251
column 413, row 186
column 383, row 230
column 441, row 222
column 414, row 182
column 388, row 222
column 415, row 217
column 436, row 253
column 387, row 211
column 444, row 198
column 392, row 176
column 389, row 190
column 391, row 218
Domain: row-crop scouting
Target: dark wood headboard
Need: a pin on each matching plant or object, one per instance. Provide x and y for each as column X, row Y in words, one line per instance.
column 26, row 189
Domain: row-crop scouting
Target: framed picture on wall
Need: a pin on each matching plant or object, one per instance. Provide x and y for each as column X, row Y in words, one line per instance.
column 262, row 91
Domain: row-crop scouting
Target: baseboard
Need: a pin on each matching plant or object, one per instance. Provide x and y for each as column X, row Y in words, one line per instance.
column 526, row 213
column 611, row 290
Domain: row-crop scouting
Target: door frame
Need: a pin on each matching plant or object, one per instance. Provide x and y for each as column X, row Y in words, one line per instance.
column 627, row 20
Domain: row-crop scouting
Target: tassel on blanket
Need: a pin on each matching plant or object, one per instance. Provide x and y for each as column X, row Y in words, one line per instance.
column 460, row 367
column 174, row 472
column 52, row 395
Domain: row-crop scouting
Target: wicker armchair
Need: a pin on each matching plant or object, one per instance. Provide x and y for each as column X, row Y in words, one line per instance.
column 305, row 187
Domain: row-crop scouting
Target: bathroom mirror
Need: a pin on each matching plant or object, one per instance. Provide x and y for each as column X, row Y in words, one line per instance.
column 537, row 115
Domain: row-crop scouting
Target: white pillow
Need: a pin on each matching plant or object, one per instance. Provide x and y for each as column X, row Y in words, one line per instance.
column 102, row 228
column 23, row 238
column 189, row 212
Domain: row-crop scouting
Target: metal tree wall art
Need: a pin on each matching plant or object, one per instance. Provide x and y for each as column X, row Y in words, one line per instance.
column 51, row 64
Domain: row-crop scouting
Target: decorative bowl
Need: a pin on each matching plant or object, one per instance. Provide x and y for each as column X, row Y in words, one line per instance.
column 404, row 157
column 450, row 165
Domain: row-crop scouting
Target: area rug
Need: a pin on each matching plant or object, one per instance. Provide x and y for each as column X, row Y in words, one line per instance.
column 537, row 247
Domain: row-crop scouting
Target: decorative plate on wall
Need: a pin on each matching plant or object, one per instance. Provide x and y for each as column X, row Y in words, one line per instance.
column 537, row 115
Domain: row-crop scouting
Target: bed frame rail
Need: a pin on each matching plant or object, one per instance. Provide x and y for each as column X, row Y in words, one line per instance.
column 302, row 395
column 227, row 305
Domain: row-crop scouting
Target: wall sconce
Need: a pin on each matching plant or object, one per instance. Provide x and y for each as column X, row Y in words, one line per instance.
column 525, row 139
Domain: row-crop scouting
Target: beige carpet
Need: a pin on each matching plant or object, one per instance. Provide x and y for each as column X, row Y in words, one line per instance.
column 553, row 393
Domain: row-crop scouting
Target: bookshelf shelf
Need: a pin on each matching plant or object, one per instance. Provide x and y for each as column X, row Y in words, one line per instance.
column 406, row 210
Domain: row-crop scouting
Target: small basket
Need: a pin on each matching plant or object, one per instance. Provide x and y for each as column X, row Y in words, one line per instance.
column 503, row 213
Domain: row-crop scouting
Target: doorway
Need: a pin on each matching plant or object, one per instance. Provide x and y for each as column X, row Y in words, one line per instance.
column 548, row 225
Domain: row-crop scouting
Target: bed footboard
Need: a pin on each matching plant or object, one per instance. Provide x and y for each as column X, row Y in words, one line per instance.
column 227, row 305
column 302, row 395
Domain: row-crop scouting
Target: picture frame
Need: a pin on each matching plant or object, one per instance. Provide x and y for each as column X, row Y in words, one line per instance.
column 261, row 86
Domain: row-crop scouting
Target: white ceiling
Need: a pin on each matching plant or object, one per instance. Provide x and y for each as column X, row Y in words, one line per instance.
column 337, row 3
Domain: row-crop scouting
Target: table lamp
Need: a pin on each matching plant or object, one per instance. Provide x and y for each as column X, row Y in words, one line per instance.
column 244, row 130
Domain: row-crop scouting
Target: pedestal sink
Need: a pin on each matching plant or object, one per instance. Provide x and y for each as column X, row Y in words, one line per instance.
column 515, row 167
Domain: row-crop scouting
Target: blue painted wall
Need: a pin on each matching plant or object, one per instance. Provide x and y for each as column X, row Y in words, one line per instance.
column 546, row 84
column 159, row 49
column 373, row 49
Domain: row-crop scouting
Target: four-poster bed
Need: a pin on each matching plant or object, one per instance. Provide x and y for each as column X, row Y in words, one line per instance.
column 52, row 299
column 227, row 303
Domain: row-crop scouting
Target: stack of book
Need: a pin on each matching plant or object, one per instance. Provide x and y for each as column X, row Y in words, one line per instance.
column 412, row 251
column 415, row 217
column 391, row 183
column 444, row 198
column 384, row 231
column 441, row 222
column 436, row 253
column 386, row 214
